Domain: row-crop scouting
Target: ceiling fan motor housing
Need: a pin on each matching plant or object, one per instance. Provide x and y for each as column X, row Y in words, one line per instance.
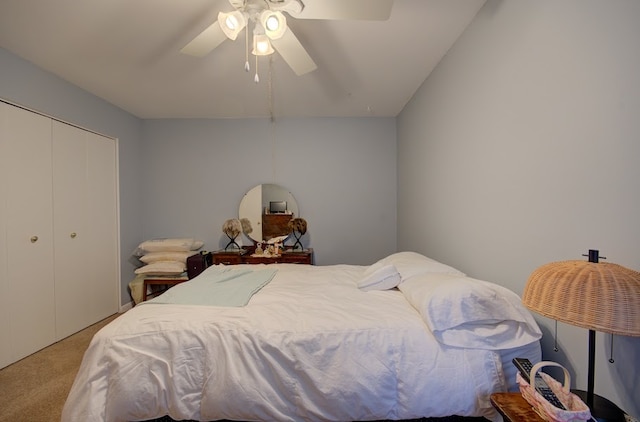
column 290, row 6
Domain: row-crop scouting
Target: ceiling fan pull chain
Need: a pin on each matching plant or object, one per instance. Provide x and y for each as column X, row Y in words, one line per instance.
column 246, row 48
column 270, row 93
column 256, row 78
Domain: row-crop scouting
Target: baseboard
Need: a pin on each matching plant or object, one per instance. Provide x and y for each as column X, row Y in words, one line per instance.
column 124, row 308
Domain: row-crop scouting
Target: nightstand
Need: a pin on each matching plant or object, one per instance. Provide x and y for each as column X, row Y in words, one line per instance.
column 166, row 281
column 514, row 408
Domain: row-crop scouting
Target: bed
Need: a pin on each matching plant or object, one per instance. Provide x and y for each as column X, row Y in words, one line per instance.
column 406, row 337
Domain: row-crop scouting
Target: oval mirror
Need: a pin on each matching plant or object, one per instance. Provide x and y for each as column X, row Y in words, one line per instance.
column 268, row 208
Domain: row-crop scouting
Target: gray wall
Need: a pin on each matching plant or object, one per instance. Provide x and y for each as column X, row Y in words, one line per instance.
column 522, row 148
column 340, row 170
column 186, row 177
column 29, row 86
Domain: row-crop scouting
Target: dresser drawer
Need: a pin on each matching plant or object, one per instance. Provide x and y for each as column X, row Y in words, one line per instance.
column 227, row 258
column 235, row 258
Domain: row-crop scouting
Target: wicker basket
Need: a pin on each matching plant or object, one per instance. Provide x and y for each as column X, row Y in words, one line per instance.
column 577, row 410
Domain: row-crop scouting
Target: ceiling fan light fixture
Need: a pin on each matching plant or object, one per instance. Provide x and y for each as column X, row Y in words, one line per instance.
column 232, row 23
column 261, row 45
column 274, row 23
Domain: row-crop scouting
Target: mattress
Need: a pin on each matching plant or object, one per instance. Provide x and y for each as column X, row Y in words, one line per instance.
column 531, row 351
column 310, row 345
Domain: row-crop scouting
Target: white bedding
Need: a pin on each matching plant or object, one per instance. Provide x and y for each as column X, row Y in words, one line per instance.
column 308, row 346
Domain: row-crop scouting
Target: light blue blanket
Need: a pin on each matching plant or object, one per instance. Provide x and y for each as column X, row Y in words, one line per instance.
column 218, row 286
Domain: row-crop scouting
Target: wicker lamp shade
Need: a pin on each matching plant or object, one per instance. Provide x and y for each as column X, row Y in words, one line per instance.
column 596, row 296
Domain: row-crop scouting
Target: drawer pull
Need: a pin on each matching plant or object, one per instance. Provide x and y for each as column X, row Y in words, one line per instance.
column 73, row 235
column 34, row 239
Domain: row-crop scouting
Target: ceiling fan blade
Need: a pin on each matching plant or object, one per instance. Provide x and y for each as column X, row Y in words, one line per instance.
column 376, row 10
column 204, row 43
column 294, row 53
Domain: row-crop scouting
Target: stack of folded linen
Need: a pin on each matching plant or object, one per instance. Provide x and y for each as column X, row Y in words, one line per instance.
column 162, row 258
column 166, row 257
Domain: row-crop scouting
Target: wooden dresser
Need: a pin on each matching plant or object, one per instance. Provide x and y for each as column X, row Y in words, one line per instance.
column 245, row 257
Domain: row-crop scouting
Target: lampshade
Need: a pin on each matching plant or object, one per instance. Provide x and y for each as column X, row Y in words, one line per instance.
column 298, row 224
column 274, row 24
column 261, row 45
column 232, row 23
column 596, row 296
column 232, row 228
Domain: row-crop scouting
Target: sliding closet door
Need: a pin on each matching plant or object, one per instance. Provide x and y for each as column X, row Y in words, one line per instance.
column 70, row 226
column 5, row 333
column 102, row 255
column 28, row 231
column 85, row 226
column 58, row 231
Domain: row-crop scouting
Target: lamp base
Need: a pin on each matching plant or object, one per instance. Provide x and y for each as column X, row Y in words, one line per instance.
column 603, row 410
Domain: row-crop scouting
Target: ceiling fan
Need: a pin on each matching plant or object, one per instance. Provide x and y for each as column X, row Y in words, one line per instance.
column 270, row 30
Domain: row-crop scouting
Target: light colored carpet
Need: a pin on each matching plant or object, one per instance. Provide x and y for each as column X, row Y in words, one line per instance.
column 35, row 388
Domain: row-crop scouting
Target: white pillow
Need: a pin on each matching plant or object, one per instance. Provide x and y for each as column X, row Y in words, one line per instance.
column 162, row 268
column 171, row 244
column 379, row 277
column 410, row 264
column 465, row 312
column 180, row 256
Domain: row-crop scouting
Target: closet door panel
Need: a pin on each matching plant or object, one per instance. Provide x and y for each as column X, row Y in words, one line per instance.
column 5, row 332
column 70, row 227
column 85, row 225
column 102, row 253
column 29, row 231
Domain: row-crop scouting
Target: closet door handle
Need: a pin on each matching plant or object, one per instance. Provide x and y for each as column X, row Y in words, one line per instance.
column 73, row 235
column 34, row 239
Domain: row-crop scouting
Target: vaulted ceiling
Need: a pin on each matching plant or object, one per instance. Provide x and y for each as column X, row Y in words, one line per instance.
column 128, row 53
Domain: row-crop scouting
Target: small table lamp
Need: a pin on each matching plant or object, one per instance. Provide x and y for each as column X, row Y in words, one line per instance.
column 596, row 296
column 232, row 228
column 298, row 227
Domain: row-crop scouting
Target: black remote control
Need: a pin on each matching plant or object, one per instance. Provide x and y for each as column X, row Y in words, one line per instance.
column 524, row 366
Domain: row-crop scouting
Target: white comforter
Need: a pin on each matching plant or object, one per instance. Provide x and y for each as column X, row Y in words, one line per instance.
column 308, row 346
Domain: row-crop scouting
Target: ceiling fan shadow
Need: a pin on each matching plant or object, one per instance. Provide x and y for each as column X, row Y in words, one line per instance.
column 338, row 74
